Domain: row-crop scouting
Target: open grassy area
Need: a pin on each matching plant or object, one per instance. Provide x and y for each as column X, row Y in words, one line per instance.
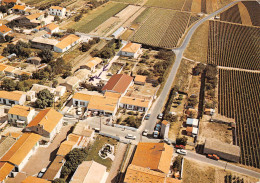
column 71, row 55
column 170, row 4
column 96, row 17
column 96, row 146
column 198, row 45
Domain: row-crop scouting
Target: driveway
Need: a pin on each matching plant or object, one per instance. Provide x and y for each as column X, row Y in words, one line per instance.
column 43, row 156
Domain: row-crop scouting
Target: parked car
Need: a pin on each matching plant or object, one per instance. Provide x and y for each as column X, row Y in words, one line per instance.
column 181, row 151
column 213, row 156
column 160, row 116
column 41, row 173
column 130, row 136
column 155, row 134
column 97, row 130
column 147, row 116
column 157, row 127
column 179, row 146
column 167, row 141
column 145, row 132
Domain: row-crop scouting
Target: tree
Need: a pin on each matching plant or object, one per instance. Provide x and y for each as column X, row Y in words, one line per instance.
column 71, row 31
column 77, row 18
column 9, row 85
column 182, row 141
column 46, row 14
column 54, row 83
column 46, row 55
column 58, row 180
column 24, row 77
column 177, row 162
column 85, row 47
column 45, row 99
column 66, row 74
column 8, row 38
column 56, row 18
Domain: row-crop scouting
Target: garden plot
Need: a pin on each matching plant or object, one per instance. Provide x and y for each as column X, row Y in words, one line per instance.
column 113, row 23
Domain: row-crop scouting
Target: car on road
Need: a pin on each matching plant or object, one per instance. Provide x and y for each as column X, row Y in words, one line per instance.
column 157, row 127
column 213, row 156
column 147, row 116
column 181, row 151
column 156, row 134
column 41, row 173
column 179, row 146
column 145, row 132
column 97, row 130
column 130, row 136
column 160, row 116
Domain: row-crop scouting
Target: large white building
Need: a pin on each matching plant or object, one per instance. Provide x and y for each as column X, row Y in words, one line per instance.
column 66, row 43
column 57, row 10
column 131, row 50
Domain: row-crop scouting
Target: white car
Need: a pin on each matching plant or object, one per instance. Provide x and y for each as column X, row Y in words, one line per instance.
column 130, row 136
column 160, row 116
column 145, row 132
column 40, row 174
column 181, row 151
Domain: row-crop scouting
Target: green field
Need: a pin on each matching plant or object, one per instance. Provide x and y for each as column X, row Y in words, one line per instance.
column 97, row 17
column 170, row 4
column 144, row 15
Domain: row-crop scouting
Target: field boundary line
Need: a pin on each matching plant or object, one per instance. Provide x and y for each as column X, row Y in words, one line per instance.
column 236, row 24
column 238, row 69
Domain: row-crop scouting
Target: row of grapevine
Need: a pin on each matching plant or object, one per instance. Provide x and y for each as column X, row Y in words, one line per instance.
column 163, row 28
column 175, row 30
column 233, row 45
column 238, row 98
column 231, row 15
column 253, row 8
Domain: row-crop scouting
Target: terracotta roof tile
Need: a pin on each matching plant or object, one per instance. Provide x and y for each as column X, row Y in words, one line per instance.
column 51, row 26
column 56, row 7
column 118, row 83
column 21, row 148
column 4, row 29
column 102, row 103
column 49, row 118
column 5, row 169
column 54, row 168
column 33, row 16
column 11, row 95
column 3, row 67
column 65, row 148
column 156, row 156
column 82, row 96
column 18, row 7
column 131, row 47
column 135, row 101
column 20, row 110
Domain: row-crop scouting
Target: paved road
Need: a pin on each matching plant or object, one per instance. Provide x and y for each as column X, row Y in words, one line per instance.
column 158, row 105
column 221, row 164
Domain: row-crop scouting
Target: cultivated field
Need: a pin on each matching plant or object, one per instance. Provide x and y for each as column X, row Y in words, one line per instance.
column 238, row 98
column 169, row 4
column 246, row 13
column 129, row 1
column 111, row 24
column 97, row 17
column 163, row 28
column 234, row 45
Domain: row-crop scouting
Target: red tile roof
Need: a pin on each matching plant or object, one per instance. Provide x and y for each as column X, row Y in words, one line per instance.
column 118, row 83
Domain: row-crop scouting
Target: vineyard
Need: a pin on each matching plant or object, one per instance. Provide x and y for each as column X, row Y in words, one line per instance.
column 233, row 45
column 197, row 6
column 169, row 4
column 246, row 13
column 238, row 98
column 163, row 28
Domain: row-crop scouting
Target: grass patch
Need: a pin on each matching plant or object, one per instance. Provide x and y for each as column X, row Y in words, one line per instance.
column 198, row 45
column 87, row 24
column 96, row 146
column 169, row 4
column 70, row 56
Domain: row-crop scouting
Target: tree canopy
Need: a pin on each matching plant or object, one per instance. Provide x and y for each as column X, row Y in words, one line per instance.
column 45, row 99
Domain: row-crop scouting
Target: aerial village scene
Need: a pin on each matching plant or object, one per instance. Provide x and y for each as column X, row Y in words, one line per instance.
column 129, row 91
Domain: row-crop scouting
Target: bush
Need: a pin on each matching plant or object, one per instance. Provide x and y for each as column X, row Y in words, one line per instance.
column 178, row 163
column 46, row 55
column 78, row 17
column 130, row 113
column 45, row 99
column 56, row 18
column 182, row 141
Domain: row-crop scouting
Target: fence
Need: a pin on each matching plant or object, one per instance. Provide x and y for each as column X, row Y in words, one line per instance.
column 125, row 127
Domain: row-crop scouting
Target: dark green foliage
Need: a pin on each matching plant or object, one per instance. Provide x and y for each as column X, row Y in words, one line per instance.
column 9, row 85
column 46, row 55
column 45, row 99
column 56, row 18
column 20, row 49
column 178, row 162
column 58, row 180
column 182, row 141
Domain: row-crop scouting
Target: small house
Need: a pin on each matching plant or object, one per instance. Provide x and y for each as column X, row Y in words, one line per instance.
column 54, row 169
column 60, row 91
column 165, row 129
column 34, row 60
column 19, row 9
column 191, row 131
column 131, row 50
column 20, row 116
column 135, row 104
column 14, row 97
column 71, row 83
column 91, row 64
column 57, row 10
column 209, row 111
column 4, row 30
column 51, row 28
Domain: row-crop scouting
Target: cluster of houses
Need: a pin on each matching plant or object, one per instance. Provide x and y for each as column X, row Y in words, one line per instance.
column 112, row 97
column 13, row 72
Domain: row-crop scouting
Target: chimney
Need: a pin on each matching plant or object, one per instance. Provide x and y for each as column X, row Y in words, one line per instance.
column 46, row 117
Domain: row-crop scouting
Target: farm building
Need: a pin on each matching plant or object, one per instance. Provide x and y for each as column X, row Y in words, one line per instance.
column 118, row 83
column 57, row 10
column 192, row 122
column 91, row 64
column 140, row 80
column 43, row 43
column 165, row 129
column 66, row 43
column 131, row 50
column 118, row 32
column 223, row 150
